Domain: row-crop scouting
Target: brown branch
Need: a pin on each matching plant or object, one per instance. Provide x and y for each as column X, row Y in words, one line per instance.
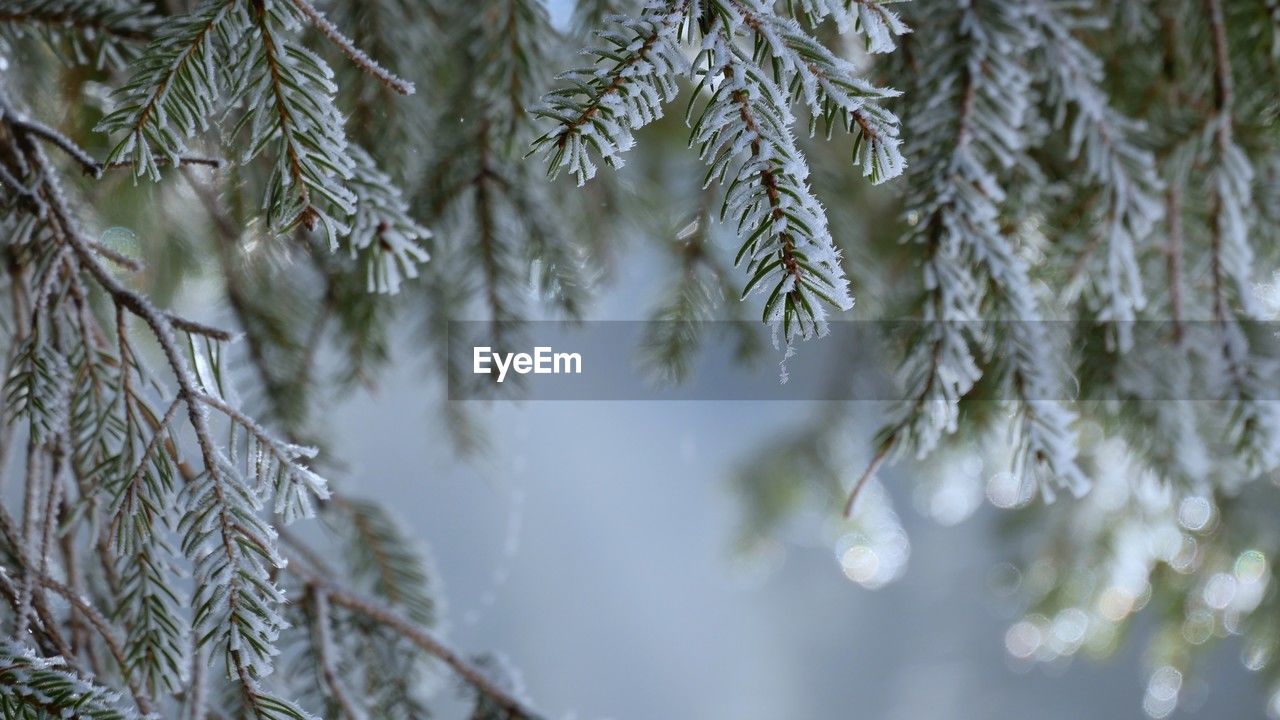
column 872, row 467
column 183, row 161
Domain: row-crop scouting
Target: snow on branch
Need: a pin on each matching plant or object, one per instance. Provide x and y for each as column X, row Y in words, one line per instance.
column 634, row 75
column 972, row 125
column 34, row 686
column 751, row 66
column 1105, row 142
column 744, row 135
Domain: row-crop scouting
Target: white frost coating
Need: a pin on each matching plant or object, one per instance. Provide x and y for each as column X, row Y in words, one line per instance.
column 288, row 93
column 830, row 88
column 971, row 126
column 1233, row 187
column 1101, row 138
column 745, row 130
column 175, row 89
column 745, row 136
column 28, row 676
column 603, row 105
column 383, row 233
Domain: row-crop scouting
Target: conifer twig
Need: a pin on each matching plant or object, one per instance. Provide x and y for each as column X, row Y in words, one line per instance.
column 425, row 640
column 357, row 56
column 100, row 624
column 183, row 161
column 53, row 137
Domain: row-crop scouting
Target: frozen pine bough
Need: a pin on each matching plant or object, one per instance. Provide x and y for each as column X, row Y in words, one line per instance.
column 749, row 65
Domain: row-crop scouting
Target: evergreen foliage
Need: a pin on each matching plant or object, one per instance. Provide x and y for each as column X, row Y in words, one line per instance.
column 1093, row 162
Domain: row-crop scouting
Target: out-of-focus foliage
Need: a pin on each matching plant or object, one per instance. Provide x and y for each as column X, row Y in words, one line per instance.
column 1131, row 179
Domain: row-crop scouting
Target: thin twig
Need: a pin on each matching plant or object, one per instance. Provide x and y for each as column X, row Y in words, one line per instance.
column 867, row 474
column 55, row 138
column 193, row 327
column 425, row 640
column 183, row 161
column 109, row 638
column 353, row 53
column 323, row 638
column 116, row 257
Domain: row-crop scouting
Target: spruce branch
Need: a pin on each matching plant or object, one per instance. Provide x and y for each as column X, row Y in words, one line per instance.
column 1254, row 423
column 172, row 94
column 970, row 262
column 380, row 553
column 829, row 86
column 288, row 92
column 768, row 196
column 322, row 637
column 231, row 547
column 1103, row 139
column 385, row 239
column 108, row 635
column 600, row 108
column 57, row 139
column 94, row 16
column 879, row 25
column 745, row 125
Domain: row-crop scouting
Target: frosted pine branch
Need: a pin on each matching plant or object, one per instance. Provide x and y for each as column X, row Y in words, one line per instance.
column 1105, row 141
column 1254, row 424
column 637, row 62
column 744, row 132
column 32, row 686
column 744, row 135
column 287, row 92
column 173, row 92
column 384, row 236
column 380, row 553
column 829, row 87
column 879, row 25
column 232, row 548
column 979, row 117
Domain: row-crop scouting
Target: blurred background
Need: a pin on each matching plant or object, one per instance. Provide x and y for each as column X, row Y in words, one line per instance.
column 597, row 546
